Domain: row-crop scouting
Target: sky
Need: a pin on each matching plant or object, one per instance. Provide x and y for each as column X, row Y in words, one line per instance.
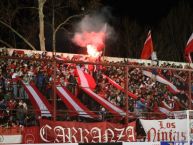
column 148, row 14
column 169, row 20
column 144, row 11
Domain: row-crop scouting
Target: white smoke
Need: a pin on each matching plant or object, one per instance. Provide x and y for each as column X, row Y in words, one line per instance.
column 96, row 22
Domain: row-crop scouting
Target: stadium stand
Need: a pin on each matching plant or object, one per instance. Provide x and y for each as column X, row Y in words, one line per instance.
column 86, row 91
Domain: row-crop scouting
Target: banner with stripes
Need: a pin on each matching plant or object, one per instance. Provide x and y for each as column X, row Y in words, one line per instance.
column 108, row 105
column 119, row 87
column 162, row 80
column 39, row 102
column 74, row 104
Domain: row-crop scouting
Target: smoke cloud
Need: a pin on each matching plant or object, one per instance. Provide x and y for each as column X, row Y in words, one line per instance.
column 93, row 29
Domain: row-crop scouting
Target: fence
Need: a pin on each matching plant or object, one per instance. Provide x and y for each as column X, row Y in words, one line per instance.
column 59, row 88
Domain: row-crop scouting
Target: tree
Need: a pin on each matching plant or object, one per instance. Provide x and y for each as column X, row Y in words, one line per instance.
column 9, row 19
column 79, row 8
column 23, row 23
column 41, row 24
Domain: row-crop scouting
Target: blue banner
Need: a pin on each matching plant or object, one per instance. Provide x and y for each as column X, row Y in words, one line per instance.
column 176, row 143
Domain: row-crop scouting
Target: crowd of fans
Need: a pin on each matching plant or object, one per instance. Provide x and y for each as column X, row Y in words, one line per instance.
column 16, row 108
column 153, row 92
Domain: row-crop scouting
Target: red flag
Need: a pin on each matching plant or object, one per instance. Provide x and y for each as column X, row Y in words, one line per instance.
column 148, row 47
column 189, row 49
column 90, row 80
column 84, row 79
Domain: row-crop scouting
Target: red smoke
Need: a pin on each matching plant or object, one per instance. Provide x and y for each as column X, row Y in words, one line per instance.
column 95, row 39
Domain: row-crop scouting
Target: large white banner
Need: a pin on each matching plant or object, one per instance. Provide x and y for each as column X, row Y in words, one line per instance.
column 165, row 130
column 51, row 144
column 10, row 139
column 141, row 143
column 191, row 129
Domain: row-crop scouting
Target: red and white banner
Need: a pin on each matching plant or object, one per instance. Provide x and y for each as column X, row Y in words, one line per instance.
column 85, row 80
column 141, row 143
column 119, row 87
column 56, row 144
column 10, row 135
column 10, row 139
column 31, row 135
column 165, row 130
column 73, row 132
column 109, row 106
column 162, row 80
column 148, row 47
column 18, row 52
column 189, row 49
column 74, row 104
column 39, row 102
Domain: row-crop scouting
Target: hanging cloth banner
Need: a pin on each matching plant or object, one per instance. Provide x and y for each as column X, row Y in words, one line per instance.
column 109, row 106
column 119, row 87
column 39, row 102
column 74, row 104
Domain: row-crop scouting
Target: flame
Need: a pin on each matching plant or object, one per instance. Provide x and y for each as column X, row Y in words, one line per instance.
column 93, row 41
column 92, row 51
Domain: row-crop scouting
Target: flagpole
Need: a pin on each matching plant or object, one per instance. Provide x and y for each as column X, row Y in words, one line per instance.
column 126, row 95
column 54, row 63
column 190, row 90
column 105, row 30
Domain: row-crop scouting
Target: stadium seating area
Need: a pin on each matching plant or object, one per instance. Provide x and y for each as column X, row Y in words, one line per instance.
column 150, row 90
